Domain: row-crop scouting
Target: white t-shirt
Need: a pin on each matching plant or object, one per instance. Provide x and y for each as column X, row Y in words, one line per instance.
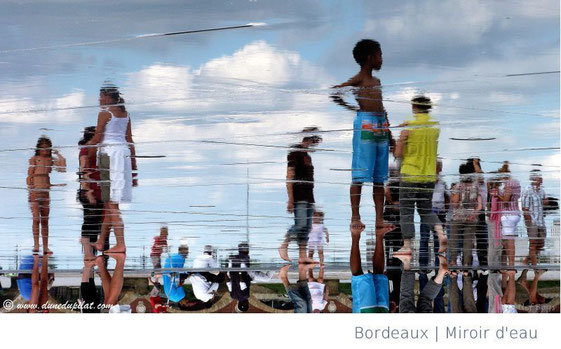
column 438, row 195
column 316, row 291
column 202, row 288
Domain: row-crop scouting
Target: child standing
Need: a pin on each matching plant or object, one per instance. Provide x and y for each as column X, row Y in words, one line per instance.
column 371, row 134
column 315, row 241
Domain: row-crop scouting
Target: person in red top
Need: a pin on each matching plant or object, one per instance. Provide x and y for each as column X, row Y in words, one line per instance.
column 160, row 245
column 89, row 193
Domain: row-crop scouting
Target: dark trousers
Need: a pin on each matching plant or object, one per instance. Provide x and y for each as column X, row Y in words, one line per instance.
column 407, row 299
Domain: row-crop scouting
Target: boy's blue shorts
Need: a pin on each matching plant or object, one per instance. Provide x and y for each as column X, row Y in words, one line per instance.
column 370, row 147
column 371, row 293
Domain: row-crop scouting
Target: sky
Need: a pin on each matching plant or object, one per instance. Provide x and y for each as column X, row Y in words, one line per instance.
column 223, row 107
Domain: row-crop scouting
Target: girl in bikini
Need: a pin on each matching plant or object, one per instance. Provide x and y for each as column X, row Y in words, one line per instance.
column 39, row 184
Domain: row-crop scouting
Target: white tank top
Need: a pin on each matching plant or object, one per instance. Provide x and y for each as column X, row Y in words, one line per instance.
column 116, row 130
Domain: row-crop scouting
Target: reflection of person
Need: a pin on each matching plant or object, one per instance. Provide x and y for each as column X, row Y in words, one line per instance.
column 534, row 298
column 89, row 193
column 40, row 283
column 370, row 290
column 417, row 148
column 371, row 134
column 533, row 201
column 116, row 163
column 466, row 204
column 507, row 196
column 91, row 299
column 205, row 283
column 319, row 293
column 465, row 304
column 316, row 237
column 39, row 184
column 428, row 293
column 300, row 190
column 509, row 294
column 111, row 284
column 299, row 292
column 239, row 283
column 160, row 245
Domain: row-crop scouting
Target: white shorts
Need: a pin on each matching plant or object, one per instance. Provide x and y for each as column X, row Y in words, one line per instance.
column 508, row 224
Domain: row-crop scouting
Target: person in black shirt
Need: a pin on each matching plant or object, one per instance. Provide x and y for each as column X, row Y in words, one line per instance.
column 300, row 190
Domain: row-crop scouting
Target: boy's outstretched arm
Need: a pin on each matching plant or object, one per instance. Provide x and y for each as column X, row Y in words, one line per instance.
column 340, row 101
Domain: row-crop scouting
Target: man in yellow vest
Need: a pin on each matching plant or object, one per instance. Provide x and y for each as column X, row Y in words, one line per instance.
column 417, row 147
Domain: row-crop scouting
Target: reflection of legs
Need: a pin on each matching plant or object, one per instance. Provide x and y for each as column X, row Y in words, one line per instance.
column 355, row 194
column 299, row 293
column 115, row 282
column 378, row 258
column 35, row 212
column 432, row 289
column 424, row 245
column 467, row 249
column 105, row 229
column 104, row 275
column 406, row 212
column 510, row 251
column 45, row 207
column 355, row 262
column 118, row 229
column 469, row 300
column 454, row 242
column 407, row 295
column 378, row 194
column 510, row 291
column 481, row 239
column 454, row 295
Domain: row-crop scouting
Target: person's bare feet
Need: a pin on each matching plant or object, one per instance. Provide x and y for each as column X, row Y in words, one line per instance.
column 526, row 260
column 356, row 224
column 283, row 273
column 117, row 249
column 98, row 245
column 306, row 260
column 404, row 251
column 405, row 259
column 539, row 272
column 35, row 249
column 119, row 257
column 306, row 267
column 283, row 253
column 381, row 231
column 442, row 265
column 442, row 242
column 357, row 229
column 522, row 280
column 100, row 261
column 46, row 250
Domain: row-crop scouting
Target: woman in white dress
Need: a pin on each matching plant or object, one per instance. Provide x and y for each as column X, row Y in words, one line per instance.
column 116, row 163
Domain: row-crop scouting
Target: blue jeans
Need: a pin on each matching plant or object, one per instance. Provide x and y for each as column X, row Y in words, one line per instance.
column 303, row 212
column 438, row 303
column 300, row 296
column 424, row 254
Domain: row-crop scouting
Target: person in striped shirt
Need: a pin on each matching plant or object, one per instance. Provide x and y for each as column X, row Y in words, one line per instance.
column 533, row 201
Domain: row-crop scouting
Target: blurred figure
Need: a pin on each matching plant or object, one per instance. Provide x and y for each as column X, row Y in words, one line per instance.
column 299, row 293
column 300, row 190
column 89, row 194
column 481, row 231
column 39, row 185
column 206, row 283
column 370, row 290
column 316, row 237
column 427, row 294
column 464, row 303
column 466, row 204
column 239, row 283
column 116, row 162
column 90, row 299
column 318, row 290
column 159, row 246
column 533, row 202
column 111, row 284
column 371, row 133
column 507, row 195
column 417, row 147
column 34, row 284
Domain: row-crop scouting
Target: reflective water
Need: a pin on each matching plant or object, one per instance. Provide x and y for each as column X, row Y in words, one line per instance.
column 214, row 115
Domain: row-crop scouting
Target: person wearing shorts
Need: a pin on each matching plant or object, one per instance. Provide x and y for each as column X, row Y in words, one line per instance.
column 370, row 290
column 533, row 202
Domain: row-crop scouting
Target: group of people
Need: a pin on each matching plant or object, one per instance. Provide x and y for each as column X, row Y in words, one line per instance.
column 475, row 219
column 477, row 216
